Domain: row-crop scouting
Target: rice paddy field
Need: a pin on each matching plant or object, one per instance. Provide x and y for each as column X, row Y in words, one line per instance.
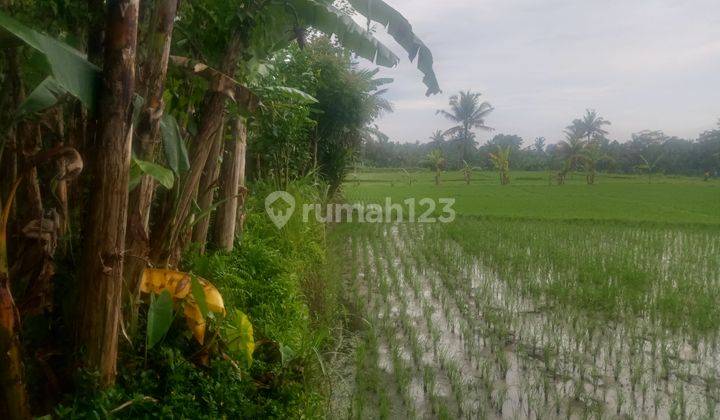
column 538, row 301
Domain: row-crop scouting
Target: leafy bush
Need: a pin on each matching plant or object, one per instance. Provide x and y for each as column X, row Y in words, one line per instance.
column 265, row 277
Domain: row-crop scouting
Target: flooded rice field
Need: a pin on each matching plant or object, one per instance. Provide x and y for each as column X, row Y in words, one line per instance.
column 447, row 330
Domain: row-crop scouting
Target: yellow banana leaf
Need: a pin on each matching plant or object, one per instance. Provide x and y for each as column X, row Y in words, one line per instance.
column 155, row 280
column 195, row 321
column 213, row 298
column 179, row 284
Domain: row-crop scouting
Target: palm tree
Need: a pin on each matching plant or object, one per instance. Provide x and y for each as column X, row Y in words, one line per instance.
column 539, row 145
column 501, row 161
column 437, row 160
column 469, row 113
column 376, row 101
column 437, row 138
column 592, row 125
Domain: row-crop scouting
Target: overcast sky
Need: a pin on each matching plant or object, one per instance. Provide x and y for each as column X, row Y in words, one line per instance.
column 642, row 64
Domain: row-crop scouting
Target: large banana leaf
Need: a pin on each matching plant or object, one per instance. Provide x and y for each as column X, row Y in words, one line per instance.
column 69, row 67
column 45, row 96
column 159, row 173
column 400, row 29
column 328, row 19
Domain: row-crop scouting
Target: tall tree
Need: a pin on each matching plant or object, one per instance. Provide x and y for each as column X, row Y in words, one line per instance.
column 232, row 186
column 206, row 189
column 101, row 275
column 469, row 113
column 592, row 125
column 14, row 403
column 437, row 138
column 156, row 55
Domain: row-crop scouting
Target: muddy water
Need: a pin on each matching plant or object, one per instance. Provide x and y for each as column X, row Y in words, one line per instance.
column 456, row 341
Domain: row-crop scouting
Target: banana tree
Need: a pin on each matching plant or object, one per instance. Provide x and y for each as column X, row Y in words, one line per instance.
column 437, row 160
column 501, row 162
column 252, row 33
column 591, row 157
column 648, row 166
column 13, row 394
column 467, row 172
column 71, row 73
column 259, row 36
column 408, row 176
column 14, row 404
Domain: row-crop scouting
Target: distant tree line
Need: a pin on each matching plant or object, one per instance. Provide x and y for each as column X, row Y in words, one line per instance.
column 585, row 148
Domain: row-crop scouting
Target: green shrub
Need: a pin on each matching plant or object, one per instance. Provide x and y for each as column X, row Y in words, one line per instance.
column 266, row 277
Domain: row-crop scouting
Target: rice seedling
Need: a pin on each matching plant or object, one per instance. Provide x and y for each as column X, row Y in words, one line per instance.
column 536, row 318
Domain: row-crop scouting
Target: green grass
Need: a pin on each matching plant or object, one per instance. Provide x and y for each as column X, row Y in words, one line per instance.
column 676, row 200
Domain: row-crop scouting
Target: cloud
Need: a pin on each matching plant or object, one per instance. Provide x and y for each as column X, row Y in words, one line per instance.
column 643, row 64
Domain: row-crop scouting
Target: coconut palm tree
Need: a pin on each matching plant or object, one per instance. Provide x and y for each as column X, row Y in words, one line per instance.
column 592, row 125
column 469, row 113
column 501, row 161
column 437, row 160
column 437, row 138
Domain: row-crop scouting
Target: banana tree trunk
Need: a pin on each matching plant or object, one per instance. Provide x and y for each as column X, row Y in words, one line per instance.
column 206, row 191
column 157, row 55
column 29, row 197
column 101, row 272
column 14, row 405
column 11, row 100
column 61, row 189
column 14, row 400
column 232, row 180
column 210, row 122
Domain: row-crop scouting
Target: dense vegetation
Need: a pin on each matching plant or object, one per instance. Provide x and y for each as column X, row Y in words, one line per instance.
column 646, row 152
column 139, row 276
